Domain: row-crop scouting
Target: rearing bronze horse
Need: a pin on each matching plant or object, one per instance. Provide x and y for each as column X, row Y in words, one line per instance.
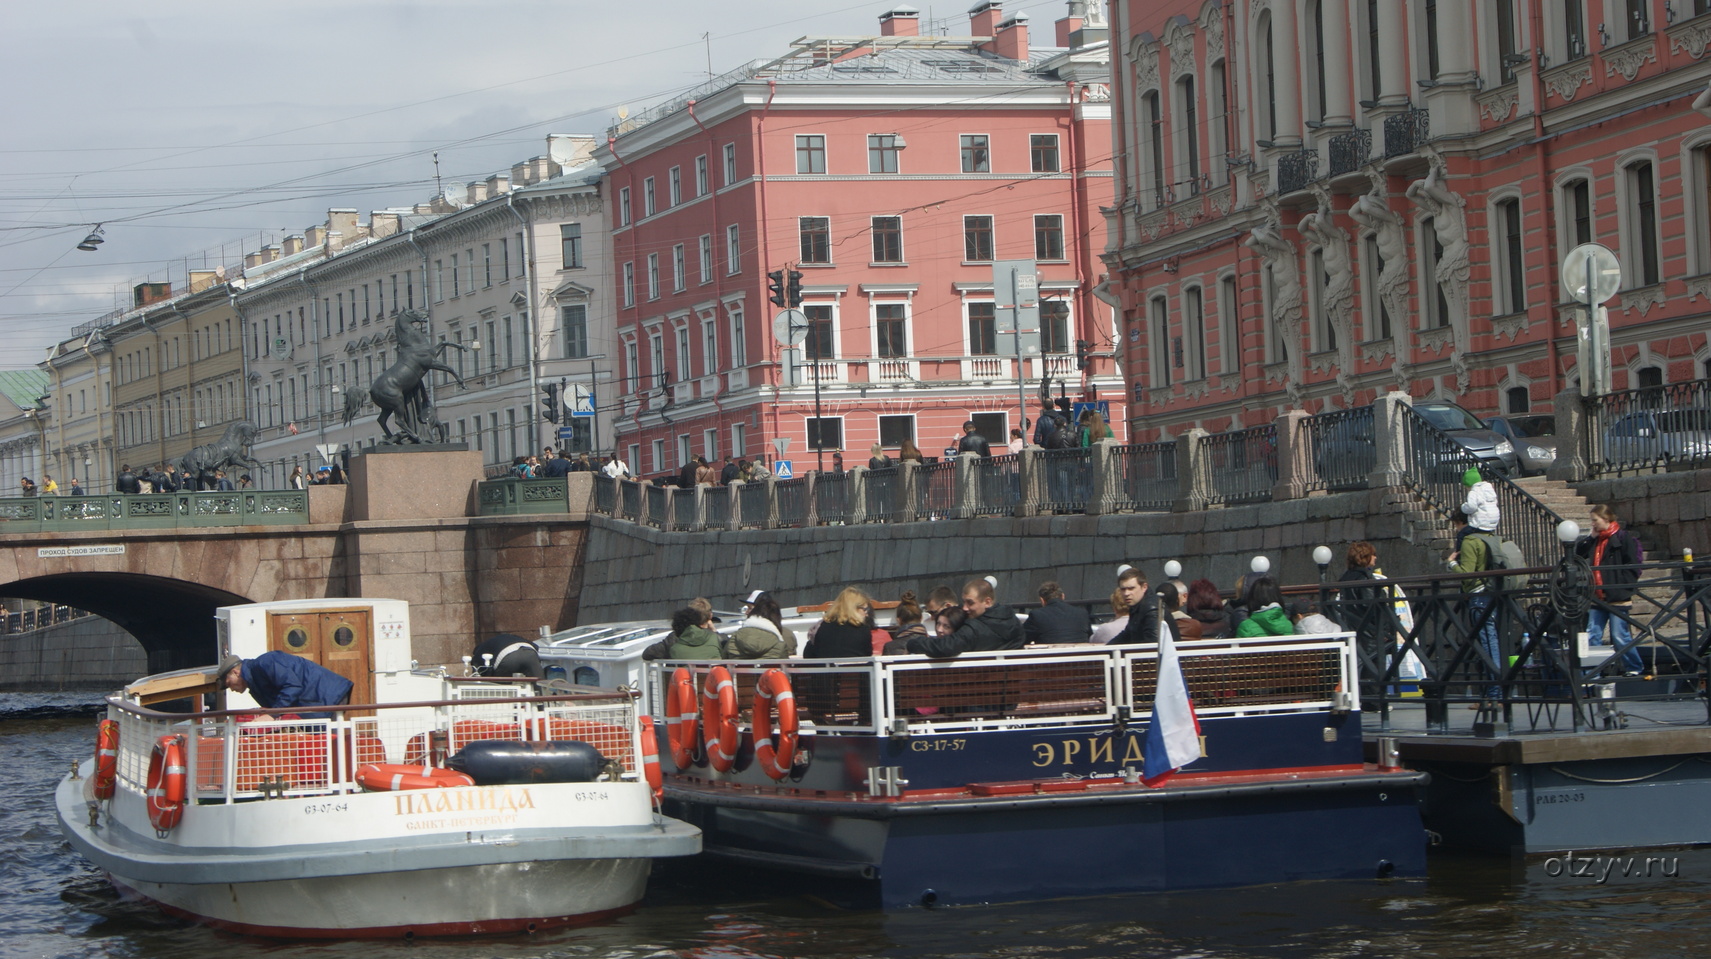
column 399, row 391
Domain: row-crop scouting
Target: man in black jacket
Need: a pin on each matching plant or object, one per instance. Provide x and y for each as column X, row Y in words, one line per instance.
column 1056, row 621
column 1143, row 610
column 127, row 481
column 973, row 442
column 989, row 626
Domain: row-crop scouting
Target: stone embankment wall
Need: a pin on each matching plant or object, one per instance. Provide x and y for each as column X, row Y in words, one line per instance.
column 1668, row 511
column 636, row 572
column 89, row 652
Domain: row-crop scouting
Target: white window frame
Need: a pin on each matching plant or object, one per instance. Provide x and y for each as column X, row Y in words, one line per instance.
column 730, row 163
column 709, row 345
column 653, row 276
column 701, row 179
column 710, row 444
column 800, row 143
column 1229, row 324
column 630, row 283
column 704, row 247
column 733, row 250
column 674, row 187
column 623, row 206
column 735, row 321
column 679, row 269
column 908, row 326
column 658, row 450
column 632, row 367
column 656, row 358
column 1627, row 218
column 808, row 440
column 1504, row 284
column 650, row 197
column 685, row 371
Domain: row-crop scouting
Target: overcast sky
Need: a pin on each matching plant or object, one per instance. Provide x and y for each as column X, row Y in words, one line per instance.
column 193, row 128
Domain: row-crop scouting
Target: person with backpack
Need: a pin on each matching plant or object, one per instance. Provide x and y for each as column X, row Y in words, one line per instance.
column 1478, row 552
column 1481, row 505
column 1615, row 555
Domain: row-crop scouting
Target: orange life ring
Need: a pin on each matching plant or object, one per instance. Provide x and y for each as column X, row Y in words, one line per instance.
column 650, row 757
column 167, row 783
column 391, row 777
column 720, row 730
column 106, row 758
column 773, row 691
column 681, row 716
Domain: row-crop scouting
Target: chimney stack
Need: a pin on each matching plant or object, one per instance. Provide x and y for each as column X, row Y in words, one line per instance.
column 1012, row 40
column 983, row 20
column 383, row 223
column 202, row 279
column 570, row 150
column 900, row 21
column 1066, row 30
column 476, row 190
column 313, row 236
column 293, row 244
column 145, row 293
column 344, row 223
column 498, row 184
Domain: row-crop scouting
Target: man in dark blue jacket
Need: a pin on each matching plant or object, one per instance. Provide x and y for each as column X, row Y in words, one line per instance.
column 989, row 626
column 279, row 680
column 1056, row 621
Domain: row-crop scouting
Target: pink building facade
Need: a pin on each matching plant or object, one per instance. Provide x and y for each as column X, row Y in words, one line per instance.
column 890, row 172
column 1322, row 200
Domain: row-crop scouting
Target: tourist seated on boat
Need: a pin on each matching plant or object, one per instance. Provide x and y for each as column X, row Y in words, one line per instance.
column 1309, row 620
column 990, row 626
column 1142, row 628
column 506, row 654
column 1056, row 621
column 940, row 597
column 1171, row 596
column 1207, row 607
column 689, row 639
column 948, row 620
column 843, row 632
column 279, row 680
column 762, row 634
column 1267, row 616
column 1104, row 632
column 908, row 615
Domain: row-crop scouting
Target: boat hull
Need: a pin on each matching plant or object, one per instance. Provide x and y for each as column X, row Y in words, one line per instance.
column 1115, row 839
column 471, row 900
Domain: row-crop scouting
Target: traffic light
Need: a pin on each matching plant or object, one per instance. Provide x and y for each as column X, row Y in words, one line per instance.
column 550, row 401
column 775, row 287
column 1082, row 361
column 793, row 292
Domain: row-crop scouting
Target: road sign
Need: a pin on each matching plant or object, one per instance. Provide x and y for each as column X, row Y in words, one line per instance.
column 567, row 432
column 783, row 469
column 327, row 450
column 1103, row 408
column 781, row 444
column 580, row 400
column 1591, row 274
column 790, row 327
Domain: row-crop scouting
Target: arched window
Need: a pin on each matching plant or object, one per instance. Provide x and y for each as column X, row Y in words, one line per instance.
column 1161, row 352
column 1194, row 330
column 1517, row 400
column 1268, row 72
column 1217, row 127
column 1511, row 294
column 1155, row 144
column 1188, row 134
column 1321, row 99
column 1640, row 235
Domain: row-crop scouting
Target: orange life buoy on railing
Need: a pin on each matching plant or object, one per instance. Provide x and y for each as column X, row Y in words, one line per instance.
column 720, row 730
column 106, row 758
column 391, row 777
column 167, row 783
column 650, row 757
column 774, row 692
column 682, row 713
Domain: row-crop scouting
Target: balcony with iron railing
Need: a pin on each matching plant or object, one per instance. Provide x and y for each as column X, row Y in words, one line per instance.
column 1406, row 132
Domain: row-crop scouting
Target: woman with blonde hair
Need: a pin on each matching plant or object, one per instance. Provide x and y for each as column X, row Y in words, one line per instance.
column 1104, row 631
column 843, row 633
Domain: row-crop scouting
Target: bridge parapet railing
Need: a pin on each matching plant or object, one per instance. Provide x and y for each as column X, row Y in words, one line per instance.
column 998, row 486
column 936, row 491
column 1651, row 428
column 181, row 510
column 1341, row 444
column 1143, row 477
column 514, row 495
column 832, row 498
column 1240, row 466
column 605, row 494
column 1067, row 479
column 792, row 497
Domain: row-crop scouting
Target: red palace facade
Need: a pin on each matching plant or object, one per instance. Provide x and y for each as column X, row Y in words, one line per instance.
column 1319, row 201
column 890, row 172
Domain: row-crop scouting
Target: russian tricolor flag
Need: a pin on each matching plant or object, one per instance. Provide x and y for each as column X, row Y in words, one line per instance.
column 1173, row 737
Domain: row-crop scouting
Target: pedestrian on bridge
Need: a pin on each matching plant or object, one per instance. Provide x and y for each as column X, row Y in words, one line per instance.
column 1615, row 556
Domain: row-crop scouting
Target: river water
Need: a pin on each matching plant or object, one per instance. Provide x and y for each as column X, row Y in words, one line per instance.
column 54, row 904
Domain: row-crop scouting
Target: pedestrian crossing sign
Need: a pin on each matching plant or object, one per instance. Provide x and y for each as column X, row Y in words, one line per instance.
column 781, row 469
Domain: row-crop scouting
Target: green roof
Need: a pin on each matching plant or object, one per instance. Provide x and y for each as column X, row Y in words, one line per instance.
column 25, row 388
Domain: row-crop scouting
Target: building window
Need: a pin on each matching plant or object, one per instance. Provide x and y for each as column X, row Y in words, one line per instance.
column 1579, row 196
column 1268, row 67
column 820, row 344
column 894, row 430
column 1506, row 41
column 975, row 156
column 1155, row 145
column 1042, row 153
column 1432, row 39
column 1372, row 267
column 653, row 276
column 1217, row 126
column 1190, row 137
column 1229, row 331
column 706, row 252
column 659, row 455
column 656, row 359
column 1514, row 278
column 1642, row 245
column 1194, row 326
column 1048, row 236
column 1638, row 17
column 816, row 238
column 678, row 269
column 710, row 445
column 629, row 284
column 733, row 250
column 1516, row 400
column 632, row 367
column 730, row 163
column 684, row 371
column 701, row 175
column 825, row 433
column 674, row 185
column 889, row 323
column 624, row 206
column 457, row 278
column 1054, row 326
column 1437, row 312
column 977, row 238
column 1159, row 346
column 811, row 154
column 982, row 329
column 574, row 319
column 882, row 152
column 570, row 243
column 1325, row 332
column 709, row 348
column 650, row 197
column 888, row 239
column 739, row 344
column 1574, row 29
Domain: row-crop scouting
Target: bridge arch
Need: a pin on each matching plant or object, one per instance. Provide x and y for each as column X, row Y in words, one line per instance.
column 173, row 619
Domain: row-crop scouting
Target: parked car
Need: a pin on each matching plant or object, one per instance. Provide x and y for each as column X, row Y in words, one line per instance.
column 1659, row 436
column 1494, row 453
column 1534, row 439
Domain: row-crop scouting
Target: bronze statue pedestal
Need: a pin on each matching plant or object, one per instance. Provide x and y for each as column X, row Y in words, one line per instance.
column 436, row 481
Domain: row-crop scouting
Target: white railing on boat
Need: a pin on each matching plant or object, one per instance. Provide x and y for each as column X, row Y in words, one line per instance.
column 245, row 755
column 1049, row 686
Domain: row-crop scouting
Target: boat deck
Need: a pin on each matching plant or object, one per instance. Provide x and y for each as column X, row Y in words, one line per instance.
column 1542, row 734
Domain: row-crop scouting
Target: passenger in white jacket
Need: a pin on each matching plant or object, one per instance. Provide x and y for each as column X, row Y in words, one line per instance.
column 1481, row 506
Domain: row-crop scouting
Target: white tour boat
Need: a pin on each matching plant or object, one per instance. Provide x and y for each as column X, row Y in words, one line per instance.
column 270, row 822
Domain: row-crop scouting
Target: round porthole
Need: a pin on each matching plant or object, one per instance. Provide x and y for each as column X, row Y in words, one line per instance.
column 297, row 638
column 343, row 637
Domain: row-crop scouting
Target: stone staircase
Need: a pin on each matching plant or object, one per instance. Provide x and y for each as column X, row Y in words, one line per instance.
column 1559, row 497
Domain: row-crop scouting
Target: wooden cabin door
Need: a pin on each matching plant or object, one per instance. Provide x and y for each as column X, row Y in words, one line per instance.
column 341, row 640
